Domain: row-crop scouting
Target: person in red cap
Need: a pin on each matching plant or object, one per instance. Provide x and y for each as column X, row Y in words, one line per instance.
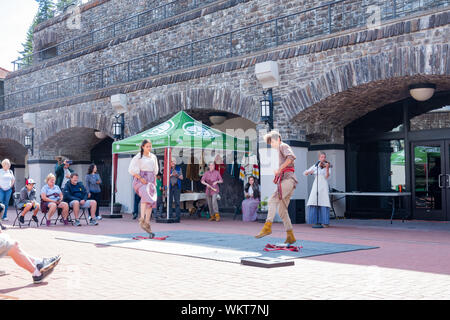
column 28, row 202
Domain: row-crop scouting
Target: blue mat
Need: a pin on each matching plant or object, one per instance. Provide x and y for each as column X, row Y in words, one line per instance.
column 215, row 246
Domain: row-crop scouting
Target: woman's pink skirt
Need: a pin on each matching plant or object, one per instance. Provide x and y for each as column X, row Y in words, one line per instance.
column 147, row 192
column 249, row 209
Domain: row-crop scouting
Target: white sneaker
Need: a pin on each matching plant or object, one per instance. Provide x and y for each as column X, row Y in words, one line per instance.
column 98, row 218
column 5, row 219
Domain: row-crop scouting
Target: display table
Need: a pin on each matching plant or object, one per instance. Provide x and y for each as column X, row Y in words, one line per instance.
column 192, row 196
column 393, row 195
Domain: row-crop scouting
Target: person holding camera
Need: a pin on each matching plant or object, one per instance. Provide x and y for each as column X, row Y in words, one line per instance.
column 63, row 172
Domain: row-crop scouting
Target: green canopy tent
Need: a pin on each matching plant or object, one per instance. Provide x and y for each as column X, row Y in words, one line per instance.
column 180, row 131
column 421, row 161
column 421, row 154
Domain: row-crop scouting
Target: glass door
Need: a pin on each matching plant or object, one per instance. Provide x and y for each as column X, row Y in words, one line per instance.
column 430, row 180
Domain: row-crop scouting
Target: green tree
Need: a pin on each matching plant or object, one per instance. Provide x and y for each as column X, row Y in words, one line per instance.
column 61, row 5
column 46, row 10
column 26, row 55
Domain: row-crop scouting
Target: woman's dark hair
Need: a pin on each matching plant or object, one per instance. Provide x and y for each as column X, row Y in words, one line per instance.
column 255, row 187
column 91, row 168
column 142, row 146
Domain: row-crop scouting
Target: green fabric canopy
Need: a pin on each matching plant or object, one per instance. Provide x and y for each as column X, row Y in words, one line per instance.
column 182, row 131
column 420, row 153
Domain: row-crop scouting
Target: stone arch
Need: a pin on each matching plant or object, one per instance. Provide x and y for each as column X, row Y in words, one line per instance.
column 216, row 99
column 13, row 150
column 347, row 92
column 72, row 119
column 12, row 133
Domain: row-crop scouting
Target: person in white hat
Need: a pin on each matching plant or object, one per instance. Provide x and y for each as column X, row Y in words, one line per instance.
column 27, row 201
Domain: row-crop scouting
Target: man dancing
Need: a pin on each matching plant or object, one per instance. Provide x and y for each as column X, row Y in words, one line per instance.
column 286, row 182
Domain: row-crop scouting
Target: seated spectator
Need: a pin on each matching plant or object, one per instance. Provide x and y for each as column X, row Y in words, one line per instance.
column 52, row 199
column 76, row 195
column 251, row 202
column 27, row 201
column 39, row 268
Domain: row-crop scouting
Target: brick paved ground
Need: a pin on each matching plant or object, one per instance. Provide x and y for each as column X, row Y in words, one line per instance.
column 413, row 262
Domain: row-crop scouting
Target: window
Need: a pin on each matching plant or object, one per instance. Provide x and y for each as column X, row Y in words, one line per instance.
column 433, row 119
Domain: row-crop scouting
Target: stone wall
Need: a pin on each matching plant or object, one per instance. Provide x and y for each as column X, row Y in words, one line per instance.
column 431, row 120
column 325, row 83
column 94, row 15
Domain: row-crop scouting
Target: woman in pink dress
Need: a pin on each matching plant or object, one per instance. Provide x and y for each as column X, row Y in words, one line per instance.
column 144, row 168
column 211, row 180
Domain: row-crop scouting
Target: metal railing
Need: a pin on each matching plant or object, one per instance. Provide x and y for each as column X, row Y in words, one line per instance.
column 119, row 27
column 325, row 19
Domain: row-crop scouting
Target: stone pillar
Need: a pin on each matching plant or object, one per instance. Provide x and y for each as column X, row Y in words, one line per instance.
column 38, row 171
column 125, row 193
column 336, row 156
column 19, row 174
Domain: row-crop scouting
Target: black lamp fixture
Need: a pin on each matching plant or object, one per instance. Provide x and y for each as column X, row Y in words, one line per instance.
column 267, row 108
column 29, row 140
column 119, row 126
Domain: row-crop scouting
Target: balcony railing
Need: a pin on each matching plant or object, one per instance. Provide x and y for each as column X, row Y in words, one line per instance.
column 325, row 19
column 137, row 21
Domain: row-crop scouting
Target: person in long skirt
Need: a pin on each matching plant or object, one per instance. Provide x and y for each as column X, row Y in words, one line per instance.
column 318, row 206
column 251, row 202
column 144, row 168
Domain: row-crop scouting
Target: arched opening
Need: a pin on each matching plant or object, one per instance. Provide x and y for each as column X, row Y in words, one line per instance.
column 231, row 190
column 402, row 146
column 83, row 146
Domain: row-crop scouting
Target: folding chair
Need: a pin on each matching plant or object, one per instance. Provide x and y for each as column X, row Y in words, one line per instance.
column 58, row 217
column 82, row 215
column 16, row 197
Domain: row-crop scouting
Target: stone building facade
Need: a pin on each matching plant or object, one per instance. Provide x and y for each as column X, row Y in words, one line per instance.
column 338, row 61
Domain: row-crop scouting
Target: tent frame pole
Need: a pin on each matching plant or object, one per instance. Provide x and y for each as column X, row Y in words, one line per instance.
column 112, row 185
column 167, row 165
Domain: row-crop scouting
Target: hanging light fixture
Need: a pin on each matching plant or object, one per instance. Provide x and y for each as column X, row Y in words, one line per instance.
column 422, row 91
column 118, row 126
column 217, row 118
column 28, row 141
column 266, row 106
column 100, row 135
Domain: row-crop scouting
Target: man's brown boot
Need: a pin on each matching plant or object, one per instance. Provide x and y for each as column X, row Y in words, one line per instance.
column 217, row 217
column 266, row 230
column 290, row 239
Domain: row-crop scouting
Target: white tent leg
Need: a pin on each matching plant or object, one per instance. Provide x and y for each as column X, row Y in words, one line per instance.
column 112, row 186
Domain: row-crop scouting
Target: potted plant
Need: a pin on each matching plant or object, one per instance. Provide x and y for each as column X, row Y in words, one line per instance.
column 262, row 210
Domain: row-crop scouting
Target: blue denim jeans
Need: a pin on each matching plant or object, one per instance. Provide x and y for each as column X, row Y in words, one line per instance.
column 5, row 196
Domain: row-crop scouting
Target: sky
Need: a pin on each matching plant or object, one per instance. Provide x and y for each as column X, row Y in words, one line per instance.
column 16, row 17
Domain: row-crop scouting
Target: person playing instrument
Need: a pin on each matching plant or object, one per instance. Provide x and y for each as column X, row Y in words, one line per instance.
column 286, row 182
column 144, row 168
column 211, row 180
column 319, row 200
